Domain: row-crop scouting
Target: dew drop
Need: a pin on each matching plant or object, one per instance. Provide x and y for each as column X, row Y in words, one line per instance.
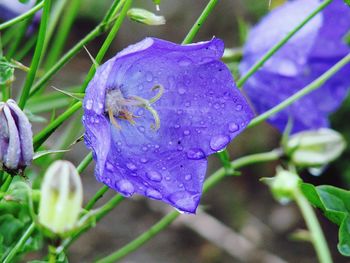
column 176, row 126
column 188, row 177
column 149, row 76
column 181, row 91
column 219, row 142
column 152, row 193
column 233, row 127
column 89, row 104
column 109, row 166
column 184, row 201
column 238, row 107
column 216, row 106
column 132, row 167
column 180, row 148
column 141, row 129
column 195, row 154
column 143, row 160
column 144, row 148
column 154, row 176
column 184, row 62
column 125, row 187
column 186, row 132
column 187, row 104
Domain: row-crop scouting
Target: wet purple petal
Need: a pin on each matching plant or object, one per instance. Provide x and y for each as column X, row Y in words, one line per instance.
column 200, row 112
column 306, row 56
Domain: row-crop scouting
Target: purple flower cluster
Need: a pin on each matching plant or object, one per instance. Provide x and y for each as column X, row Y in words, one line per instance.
column 155, row 112
column 306, row 56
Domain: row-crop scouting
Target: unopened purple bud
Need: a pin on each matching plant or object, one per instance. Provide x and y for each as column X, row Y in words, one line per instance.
column 16, row 138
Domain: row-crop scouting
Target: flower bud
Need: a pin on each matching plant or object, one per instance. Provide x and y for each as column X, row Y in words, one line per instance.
column 315, row 148
column 283, row 185
column 16, row 138
column 145, row 17
column 61, row 197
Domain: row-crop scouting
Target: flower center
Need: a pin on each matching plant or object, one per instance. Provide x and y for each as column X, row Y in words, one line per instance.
column 117, row 106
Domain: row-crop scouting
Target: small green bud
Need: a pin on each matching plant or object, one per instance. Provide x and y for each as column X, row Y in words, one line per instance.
column 315, row 148
column 61, row 197
column 145, row 17
column 283, row 185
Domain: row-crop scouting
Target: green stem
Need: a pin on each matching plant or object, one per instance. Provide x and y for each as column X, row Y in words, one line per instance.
column 170, row 217
column 317, row 83
column 19, row 244
column 62, row 33
column 84, row 163
column 26, row 47
column 317, row 237
column 19, row 18
column 195, row 28
column 101, row 28
column 48, row 130
column 99, row 194
column 108, row 41
column 275, row 48
column 7, row 183
column 37, row 55
column 20, row 33
column 52, row 254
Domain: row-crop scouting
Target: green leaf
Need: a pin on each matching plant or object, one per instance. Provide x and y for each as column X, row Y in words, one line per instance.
column 6, row 71
column 10, row 228
column 335, row 204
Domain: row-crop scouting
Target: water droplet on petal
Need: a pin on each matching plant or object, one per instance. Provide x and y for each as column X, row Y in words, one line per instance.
column 188, row 177
column 195, row 154
column 154, row 176
column 187, row 104
column 176, row 126
column 187, row 132
column 184, row 201
column 216, row 106
column 149, row 76
column 125, row 187
column 152, row 193
column 238, row 107
column 132, row 167
column 233, row 127
column 143, row 160
column 219, row 142
column 141, row 129
column 181, row 91
column 109, row 166
column 89, row 104
column 185, row 62
column 144, row 148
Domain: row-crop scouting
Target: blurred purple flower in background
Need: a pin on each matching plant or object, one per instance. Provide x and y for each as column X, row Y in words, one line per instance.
column 306, row 56
column 12, row 8
column 155, row 111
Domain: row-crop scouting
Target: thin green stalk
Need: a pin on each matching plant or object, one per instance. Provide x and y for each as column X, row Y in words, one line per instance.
column 26, row 47
column 20, row 33
column 62, row 33
column 98, row 195
column 9, row 258
column 37, row 55
column 101, row 28
column 48, row 130
column 275, row 48
column 108, row 41
column 195, row 28
column 317, row 83
column 170, row 217
column 19, row 18
column 317, row 237
column 7, row 183
column 84, row 163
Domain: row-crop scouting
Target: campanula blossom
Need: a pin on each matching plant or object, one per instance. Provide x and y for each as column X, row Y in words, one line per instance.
column 155, row 112
column 12, row 8
column 306, row 56
column 16, row 138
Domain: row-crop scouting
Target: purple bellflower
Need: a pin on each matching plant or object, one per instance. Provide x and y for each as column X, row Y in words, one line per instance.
column 306, row 56
column 16, row 138
column 155, row 111
column 12, row 8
